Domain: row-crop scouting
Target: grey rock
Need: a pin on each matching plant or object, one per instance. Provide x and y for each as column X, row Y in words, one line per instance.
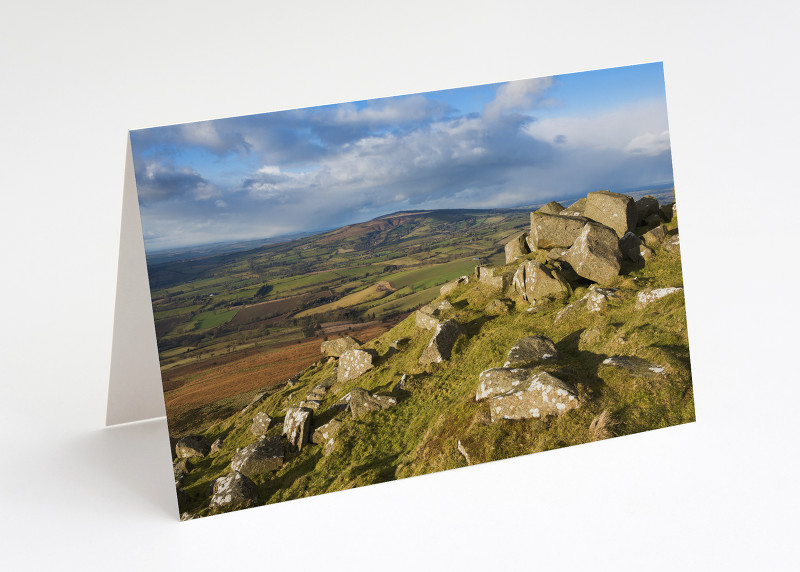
column 311, row 404
column 180, row 467
column 192, row 446
column 261, row 424
column 217, row 444
column 517, row 247
column 461, row 449
column 317, row 392
column 653, row 220
column 424, row 320
column 442, row 342
column 453, row 284
column 667, row 212
column 629, row 246
column 354, row 363
column 362, row 403
column 645, row 207
column 635, row 366
column 257, row 400
column 647, row 297
column 530, row 351
column 534, row 281
column 539, row 396
column 596, row 255
column 263, row 456
column 645, row 253
column 404, row 384
column 188, row 516
column 597, row 298
column 654, row 237
column 499, row 381
column 335, row 348
column 616, row 211
column 551, row 231
column 575, row 209
column 325, row 432
column 672, row 244
column 233, row 491
column 550, row 208
column 297, row 426
column 487, row 276
column 498, row 307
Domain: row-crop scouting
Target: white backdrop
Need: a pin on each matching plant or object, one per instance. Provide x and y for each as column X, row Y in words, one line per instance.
column 720, row 493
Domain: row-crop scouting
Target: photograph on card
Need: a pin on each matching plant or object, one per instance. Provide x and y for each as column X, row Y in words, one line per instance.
column 367, row 291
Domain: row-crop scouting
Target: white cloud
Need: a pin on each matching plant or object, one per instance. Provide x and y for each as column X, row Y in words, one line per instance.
column 649, row 144
column 519, row 95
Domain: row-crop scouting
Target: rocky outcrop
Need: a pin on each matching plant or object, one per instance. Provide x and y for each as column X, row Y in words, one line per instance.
column 597, row 298
column 335, row 348
column 614, row 210
column 363, row 403
column 424, row 320
column 540, row 395
column 311, row 404
column 192, row 446
column 535, row 281
column 629, row 246
column 261, row 424
column 551, row 231
column 499, row 381
column 672, row 244
column 517, row 247
column 550, row 208
column 647, row 297
column 596, row 255
column 297, row 426
column 453, row 284
column 655, row 236
column 318, row 392
column 531, row 351
column 233, row 491
column 263, row 456
column 441, row 344
column 353, row 363
column 487, row 276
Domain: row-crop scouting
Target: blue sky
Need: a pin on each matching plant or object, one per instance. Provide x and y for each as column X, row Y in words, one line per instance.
column 497, row 145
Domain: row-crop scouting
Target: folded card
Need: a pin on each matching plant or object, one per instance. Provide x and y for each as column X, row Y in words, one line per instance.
column 368, row 291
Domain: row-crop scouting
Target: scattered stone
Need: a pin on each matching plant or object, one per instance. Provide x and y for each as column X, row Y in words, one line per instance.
column 497, row 306
column 635, row 365
column 400, row 343
column 256, row 401
column 517, row 247
column 217, row 444
column 261, row 424
column 442, row 342
column 629, row 246
column 672, row 244
column 324, row 432
column 297, row 426
column 329, row 446
column 425, row 321
column 317, row 392
column 263, row 456
column 404, row 384
column 616, row 211
column 667, row 212
column 362, row 403
column 335, row 348
column 311, row 404
column 188, row 516
column 500, row 380
column 654, row 237
column 597, row 298
column 575, row 209
column 530, row 351
column 192, row 446
column 645, row 253
column 535, row 281
column 463, row 451
column 541, row 395
column 645, row 207
column 550, row 231
column 437, row 308
column 486, row 276
column 180, row 467
column 646, row 297
column 452, row 285
column 596, row 255
column 233, row 492
column 353, row 363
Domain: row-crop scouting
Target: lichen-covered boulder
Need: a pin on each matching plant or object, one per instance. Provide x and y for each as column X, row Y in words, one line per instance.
column 550, row 208
column 539, row 396
column 192, row 446
column 180, row 467
column 424, row 320
column 535, row 281
column 647, row 297
column 487, row 276
column 335, row 348
column 231, row 492
column 645, row 207
column 297, row 426
column 629, row 246
column 318, row 392
column 616, row 211
column 655, row 236
column 263, row 456
column 596, row 255
column 597, row 298
column 575, row 209
column 453, row 284
column 672, row 244
column 550, row 230
column 261, row 424
column 363, row 403
column 324, row 432
column 531, row 350
column 499, row 381
column 634, row 365
column 517, row 247
column 260, row 397
column 437, row 308
column 353, row 363
column 217, row 444
column 442, row 342
column 497, row 306
column 310, row 404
